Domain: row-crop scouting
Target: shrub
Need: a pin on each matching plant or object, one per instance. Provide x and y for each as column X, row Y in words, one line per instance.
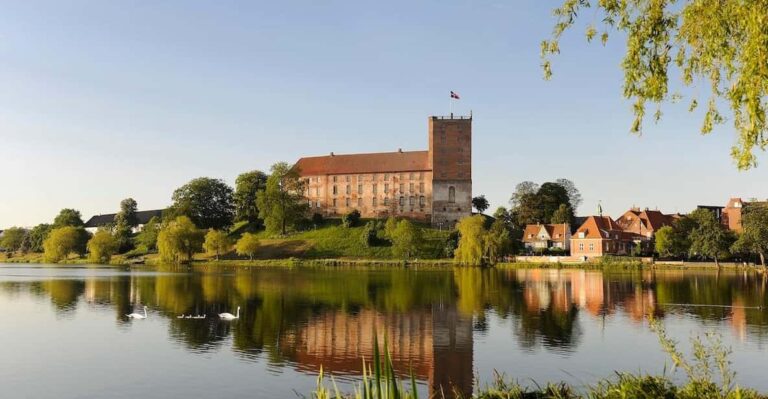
column 405, row 239
column 370, row 235
column 102, row 246
column 247, row 245
column 317, row 219
column 351, row 219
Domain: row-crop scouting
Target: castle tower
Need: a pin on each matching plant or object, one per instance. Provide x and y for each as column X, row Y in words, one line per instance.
column 450, row 158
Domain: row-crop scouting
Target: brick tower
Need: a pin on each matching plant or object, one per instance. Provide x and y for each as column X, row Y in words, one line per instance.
column 450, row 157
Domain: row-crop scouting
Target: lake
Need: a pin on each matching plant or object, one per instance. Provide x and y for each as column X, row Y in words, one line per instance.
column 64, row 333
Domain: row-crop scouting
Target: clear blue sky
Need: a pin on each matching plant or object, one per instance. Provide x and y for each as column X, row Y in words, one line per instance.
column 100, row 101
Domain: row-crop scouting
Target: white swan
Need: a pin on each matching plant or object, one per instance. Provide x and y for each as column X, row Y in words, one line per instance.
column 230, row 316
column 138, row 315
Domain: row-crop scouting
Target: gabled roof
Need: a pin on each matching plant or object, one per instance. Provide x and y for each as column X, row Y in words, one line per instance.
column 103, row 220
column 598, row 227
column 380, row 162
column 555, row 232
column 648, row 219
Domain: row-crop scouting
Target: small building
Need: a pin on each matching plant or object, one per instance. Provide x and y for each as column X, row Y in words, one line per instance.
column 547, row 236
column 598, row 236
column 143, row 217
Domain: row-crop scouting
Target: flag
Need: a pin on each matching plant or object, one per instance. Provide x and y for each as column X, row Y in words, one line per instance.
column 454, row 95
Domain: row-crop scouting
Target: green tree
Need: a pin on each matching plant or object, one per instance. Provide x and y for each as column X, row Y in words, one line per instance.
column 480, row 203
column 13, row 238
column 37, row 236
column 471, row 240
column 664, row 241
column 496, row 242
column 405, row 239
column 127, row 215
column 217, row 242
column 61, row 242
column 247, row 186
column 722, row 42
column 102, row 246
column 147, row 237
column 68, row 217
column 389, row 227
column 563, row 214
column 247, row 245
column 574, row 196
column 754, row 237
column 207, row 202
column 281, row 204
column 351, row 219
column 178, row 240
column 550, row 196
column 709, row 238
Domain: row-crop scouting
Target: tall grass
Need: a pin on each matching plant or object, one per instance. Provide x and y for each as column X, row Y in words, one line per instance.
column 707, row 370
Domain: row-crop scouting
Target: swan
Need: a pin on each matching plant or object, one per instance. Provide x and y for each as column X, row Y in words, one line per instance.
column 230, row 316
column 138, row 315
column 180, row 316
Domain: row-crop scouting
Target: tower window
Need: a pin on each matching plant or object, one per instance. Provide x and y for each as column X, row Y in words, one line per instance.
column 422, row 201
column 360, row 188
column 402, row 201
column 451, row 194
column 335, row 190
column 373, row 201
column 349, row 190
column 375, row 188
column 421, row 187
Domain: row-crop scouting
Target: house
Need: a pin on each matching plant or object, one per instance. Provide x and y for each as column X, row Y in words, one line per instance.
column 433, row 185
column 640, row 227
column 547, row 236
column 733, row 211
column 598, row 236
column 143, row 218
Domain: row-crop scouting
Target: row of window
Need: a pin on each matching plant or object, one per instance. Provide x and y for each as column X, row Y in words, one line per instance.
column 374, row 177
column 375, row 202
column 374, row 188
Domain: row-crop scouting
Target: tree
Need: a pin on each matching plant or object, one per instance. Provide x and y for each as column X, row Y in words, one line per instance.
column 13, row 238
column 389, row 227
column 101, row 247
column 147, row 237
column 709, row 238
column 216, row 242
column 521, row 191
column 61, row 242
column 550, row 196
column 207, row 202
column 496, row 242
column 351, row 219
column 68, row 217
column 754, row 237
column 471, row 240
column 664, row 241
column 37, row 236
column 247, row 186
column 127, row 215
column 248, row 245
column 574, row 196
column 480, row 203
column 722, row 42
column 281, row 204
column 178, row 240
column 405, row 239
column 563, row 214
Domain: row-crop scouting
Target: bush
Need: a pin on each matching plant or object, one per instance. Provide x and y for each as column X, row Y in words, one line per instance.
column 247, row 245
column 351, row 219
column 405, row 239
column 317, row 219
column 102, row 246
column 370, row 235
column 179, row 240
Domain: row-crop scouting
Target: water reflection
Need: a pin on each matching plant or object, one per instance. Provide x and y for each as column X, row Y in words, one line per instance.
column 305, row 318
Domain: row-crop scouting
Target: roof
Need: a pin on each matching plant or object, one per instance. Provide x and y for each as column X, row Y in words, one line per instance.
column 103, row 220
column 556, row 232
column 650, row 220
column 598, row 227
column 380, row 162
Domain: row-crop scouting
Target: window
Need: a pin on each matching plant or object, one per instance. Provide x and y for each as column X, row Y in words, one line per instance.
column 581, row 246
column 411, row 176
column 349, row 189
column 402, row 187
column 317, row 205
column 402, row 176
column 374, row 202
column 411, row 200
column 360, row 188
column 317, row 191
column 346, row 202
column 373, row 177
column 591, row 246
column 421, row 187
column 359, row 178
column 410, row 187
column 359, row 202
column 375, row 188
column 347, row 178
column 335, row 190
column 386, row 188
column 386, row 201
column 422, row 201
column 386, row 176
column 402, row 201
column 451, row 194
column 334, row 202
column 334, row 179
column 421, row 175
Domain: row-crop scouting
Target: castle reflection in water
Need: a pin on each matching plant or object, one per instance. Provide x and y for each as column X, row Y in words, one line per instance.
column 308, row 318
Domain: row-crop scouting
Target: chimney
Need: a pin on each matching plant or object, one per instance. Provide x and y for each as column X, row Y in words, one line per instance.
column 332, row 154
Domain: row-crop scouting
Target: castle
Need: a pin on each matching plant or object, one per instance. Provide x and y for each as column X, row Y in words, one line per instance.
column 432, row 186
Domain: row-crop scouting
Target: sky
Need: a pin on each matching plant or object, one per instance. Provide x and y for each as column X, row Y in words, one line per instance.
column 104, row 100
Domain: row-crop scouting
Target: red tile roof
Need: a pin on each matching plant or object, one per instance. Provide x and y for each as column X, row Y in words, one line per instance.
column 598, row 227
column 380, row 162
